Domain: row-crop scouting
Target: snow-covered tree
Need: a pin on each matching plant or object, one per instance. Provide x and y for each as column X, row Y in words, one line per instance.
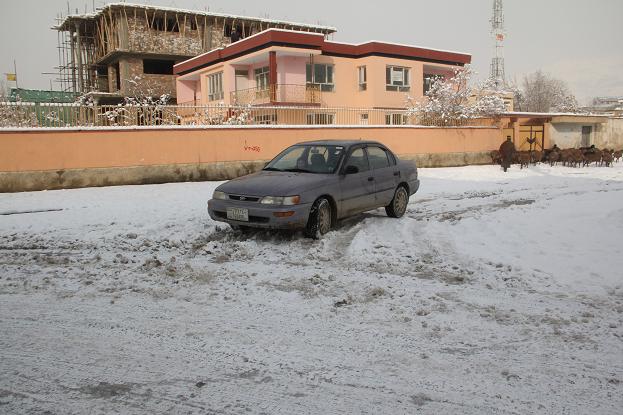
column 18, row 114
column 449, row 101
column 143, row 105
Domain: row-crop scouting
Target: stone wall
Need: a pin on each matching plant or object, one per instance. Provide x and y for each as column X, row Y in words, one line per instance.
column 148, row 84
column 142, row 39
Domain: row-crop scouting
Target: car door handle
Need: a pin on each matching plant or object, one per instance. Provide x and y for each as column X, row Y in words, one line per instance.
column 397, row 173
column 370, row 179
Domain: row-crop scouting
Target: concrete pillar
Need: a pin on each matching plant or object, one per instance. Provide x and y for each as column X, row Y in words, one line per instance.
column 272, row 75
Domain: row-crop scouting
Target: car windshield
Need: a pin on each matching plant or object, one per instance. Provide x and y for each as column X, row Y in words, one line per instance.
column 319, row 159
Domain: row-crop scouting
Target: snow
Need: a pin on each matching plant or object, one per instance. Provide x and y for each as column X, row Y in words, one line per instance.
column 189, row 11
column 234, row 126
column 496, row 293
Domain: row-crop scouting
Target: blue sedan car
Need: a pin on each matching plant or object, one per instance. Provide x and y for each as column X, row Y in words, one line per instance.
column 312, row 185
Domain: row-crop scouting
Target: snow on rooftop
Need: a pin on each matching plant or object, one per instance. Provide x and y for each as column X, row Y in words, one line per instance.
column 403, row 44
column 198, row 12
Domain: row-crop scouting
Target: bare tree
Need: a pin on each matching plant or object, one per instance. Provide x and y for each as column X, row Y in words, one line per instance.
column 541, row 92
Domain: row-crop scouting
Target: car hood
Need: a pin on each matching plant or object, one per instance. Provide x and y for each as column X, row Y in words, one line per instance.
column 274, row 183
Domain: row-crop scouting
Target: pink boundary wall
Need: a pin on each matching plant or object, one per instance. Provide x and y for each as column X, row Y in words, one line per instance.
column 45, row 150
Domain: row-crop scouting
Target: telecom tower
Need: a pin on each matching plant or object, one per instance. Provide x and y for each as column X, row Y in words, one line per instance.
column 498, row 33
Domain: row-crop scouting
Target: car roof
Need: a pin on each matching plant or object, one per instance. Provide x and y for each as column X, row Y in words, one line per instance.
column 345, row 143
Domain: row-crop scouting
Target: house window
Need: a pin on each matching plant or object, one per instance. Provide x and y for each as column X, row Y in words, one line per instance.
column 395, row 119
column 320, row 119
column 364, row 119
column 169, row 25
column 397, row 78
column 158, row 67
column 362, row 78
column 261, row 78
column 215, row 86
column 265, row 119
column 429, row 80
column 320, row 75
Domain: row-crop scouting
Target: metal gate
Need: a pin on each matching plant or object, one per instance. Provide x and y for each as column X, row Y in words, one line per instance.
column 531, row 137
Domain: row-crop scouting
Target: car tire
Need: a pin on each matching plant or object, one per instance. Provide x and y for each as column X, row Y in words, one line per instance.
column 398, row 206
column 320, row 219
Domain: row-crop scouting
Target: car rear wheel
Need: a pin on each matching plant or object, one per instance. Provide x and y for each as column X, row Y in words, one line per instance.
column 398, row 205
column 319, row 221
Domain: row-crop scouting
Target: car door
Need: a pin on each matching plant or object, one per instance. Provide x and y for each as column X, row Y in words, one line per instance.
column 385, row 173
column 357, row 189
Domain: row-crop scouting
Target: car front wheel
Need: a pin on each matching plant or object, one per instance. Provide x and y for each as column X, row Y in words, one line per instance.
column 398, row 205
column 319, row 221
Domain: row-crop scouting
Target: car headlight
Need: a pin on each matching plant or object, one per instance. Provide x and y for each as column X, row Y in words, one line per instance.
column 219, row 195
column 281, row 200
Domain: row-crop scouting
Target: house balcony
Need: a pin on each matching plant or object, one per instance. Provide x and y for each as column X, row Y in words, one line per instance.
column 278, row 94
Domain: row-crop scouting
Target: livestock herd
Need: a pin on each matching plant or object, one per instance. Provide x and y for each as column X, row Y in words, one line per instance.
column 571, row 157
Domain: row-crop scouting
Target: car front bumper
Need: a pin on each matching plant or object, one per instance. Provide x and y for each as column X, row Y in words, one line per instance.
column 261, row 216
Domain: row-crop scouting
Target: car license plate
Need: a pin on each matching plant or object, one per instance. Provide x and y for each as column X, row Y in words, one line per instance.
column 238, row 214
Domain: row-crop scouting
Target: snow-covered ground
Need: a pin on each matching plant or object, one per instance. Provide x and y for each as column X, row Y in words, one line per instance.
column 497, row 293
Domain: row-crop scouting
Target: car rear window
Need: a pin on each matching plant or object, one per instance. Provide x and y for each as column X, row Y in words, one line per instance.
column 378, row 158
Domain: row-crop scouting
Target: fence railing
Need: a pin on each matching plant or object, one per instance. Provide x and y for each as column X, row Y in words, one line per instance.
column 29, row 115
column 280, row 93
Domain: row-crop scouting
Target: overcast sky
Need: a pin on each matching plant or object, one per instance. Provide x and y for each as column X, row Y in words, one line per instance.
column 579, row 41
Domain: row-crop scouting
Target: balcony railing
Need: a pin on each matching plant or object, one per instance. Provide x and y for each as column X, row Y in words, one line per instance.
column 277, row 94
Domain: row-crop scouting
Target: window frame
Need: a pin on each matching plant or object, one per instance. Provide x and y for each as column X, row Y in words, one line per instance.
column 391, row 117
column 310, row 76
column 349, row 155
column 215, row 81
column 317, row 118
column 262, row 73
column 390, row 85
column 372, row 167
column 363, row 83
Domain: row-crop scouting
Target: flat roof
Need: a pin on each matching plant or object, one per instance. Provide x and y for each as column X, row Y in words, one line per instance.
column 93, row 15
column 316, row 41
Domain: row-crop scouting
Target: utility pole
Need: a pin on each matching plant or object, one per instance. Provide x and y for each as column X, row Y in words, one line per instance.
column 15, row 69
column 498, row 33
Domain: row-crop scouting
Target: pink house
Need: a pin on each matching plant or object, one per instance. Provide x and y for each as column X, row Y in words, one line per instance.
column 282, row 67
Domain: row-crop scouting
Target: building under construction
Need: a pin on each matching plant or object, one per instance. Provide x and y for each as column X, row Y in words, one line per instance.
column 124, row 50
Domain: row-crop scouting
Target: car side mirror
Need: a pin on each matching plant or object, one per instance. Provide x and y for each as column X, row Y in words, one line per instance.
column 351, row 170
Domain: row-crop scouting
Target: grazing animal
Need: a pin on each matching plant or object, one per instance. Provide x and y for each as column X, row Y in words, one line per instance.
column 593, row 156
column 496, row 157
column 523, row 158
column 537, row 157
column 566, row 157
column 606, row 158
column 617, row 155
column 553, row 157
column 577, row 157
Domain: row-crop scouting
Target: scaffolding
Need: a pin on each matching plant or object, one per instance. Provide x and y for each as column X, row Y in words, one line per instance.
column 77, row 71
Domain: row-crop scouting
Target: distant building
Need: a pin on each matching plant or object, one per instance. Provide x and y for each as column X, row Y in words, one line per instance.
column 283, row 67
column 606, row 105
column 102, row 53
column 39, row 96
